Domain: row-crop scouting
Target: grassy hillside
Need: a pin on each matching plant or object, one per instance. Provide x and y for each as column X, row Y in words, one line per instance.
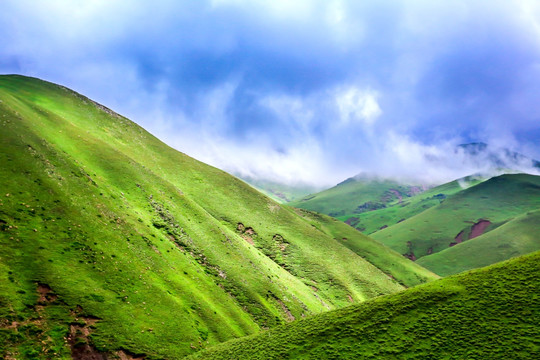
column 371, row 221
column 464, row 216
column 518, row 236
column 106, row 232
column 489, row 313
column 356, row 196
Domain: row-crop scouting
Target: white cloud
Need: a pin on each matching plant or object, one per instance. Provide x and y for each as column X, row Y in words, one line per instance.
column 356, row 105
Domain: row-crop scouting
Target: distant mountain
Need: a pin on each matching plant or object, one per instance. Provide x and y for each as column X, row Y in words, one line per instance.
column 113, row 244
column 370, row 222
column 281, row 192
column 484, row 156
column 489, row 313
column 357, row 195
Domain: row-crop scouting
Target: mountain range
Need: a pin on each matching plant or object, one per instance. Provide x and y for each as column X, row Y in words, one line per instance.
column 115, row 246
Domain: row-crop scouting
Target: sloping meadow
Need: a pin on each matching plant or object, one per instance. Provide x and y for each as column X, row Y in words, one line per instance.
column 114, row 243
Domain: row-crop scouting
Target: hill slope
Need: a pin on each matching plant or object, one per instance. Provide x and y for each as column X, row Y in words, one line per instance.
column 106, row 231
column 489, row 313
column 356, row 195
column 369, row 222
column 464, row 216
column 518, row 236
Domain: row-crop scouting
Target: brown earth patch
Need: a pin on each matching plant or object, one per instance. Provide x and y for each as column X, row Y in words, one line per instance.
column 410, row 256
column 46, row 295
column 350, row 298
column 479, row 228
column 290, row 316
column 398, row 194
column 351, row 220
column 81, row 348
column 458, row 239
column 249, row 239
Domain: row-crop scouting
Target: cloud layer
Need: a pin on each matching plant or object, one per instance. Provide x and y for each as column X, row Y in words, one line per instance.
column 303, row 91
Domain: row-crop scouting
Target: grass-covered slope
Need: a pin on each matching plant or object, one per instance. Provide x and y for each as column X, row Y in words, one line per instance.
column 369, row 222
column 464, row 216
column 406, row 272
column 518, row 236
column 111, row 241
column 356, row 195
column 489, row 313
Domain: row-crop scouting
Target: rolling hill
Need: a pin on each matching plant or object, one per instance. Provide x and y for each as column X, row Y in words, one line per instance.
column 520, row 235
column 369, row 222
column 471, row 216
column 112, row 243
column 356, row 195
column 488, row 313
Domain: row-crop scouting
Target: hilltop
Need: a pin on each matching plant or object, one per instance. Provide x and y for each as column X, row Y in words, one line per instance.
column 106, row 232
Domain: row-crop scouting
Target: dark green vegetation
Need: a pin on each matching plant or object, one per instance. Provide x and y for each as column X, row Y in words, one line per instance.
column 489, row 313
column 486, row 223
column 356, row 196
column 112, row 242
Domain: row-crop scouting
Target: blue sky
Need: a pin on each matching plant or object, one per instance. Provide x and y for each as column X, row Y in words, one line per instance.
column 297, row 91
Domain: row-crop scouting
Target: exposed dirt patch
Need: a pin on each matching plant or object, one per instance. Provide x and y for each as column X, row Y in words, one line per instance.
column 458, row 239
column 46, row 295
column 398, row 195
column 247, row 233
column 410, row 254
column 81, row 348
column 479, row 228
column 290, row 316
column 383, row 227
column 351, row 221
column 350, row 298
column 430, row 251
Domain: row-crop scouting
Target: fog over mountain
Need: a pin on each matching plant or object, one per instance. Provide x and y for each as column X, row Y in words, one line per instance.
column 300, row 92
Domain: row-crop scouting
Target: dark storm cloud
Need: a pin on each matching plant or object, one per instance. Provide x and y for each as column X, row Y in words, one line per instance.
column 306, row 90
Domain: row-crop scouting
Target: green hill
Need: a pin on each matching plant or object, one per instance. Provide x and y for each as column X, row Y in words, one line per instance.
column 489, row 313
column 113, row 243
column 520, row 235
column 355, row 196
column 463, row 217
column 369, row 222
